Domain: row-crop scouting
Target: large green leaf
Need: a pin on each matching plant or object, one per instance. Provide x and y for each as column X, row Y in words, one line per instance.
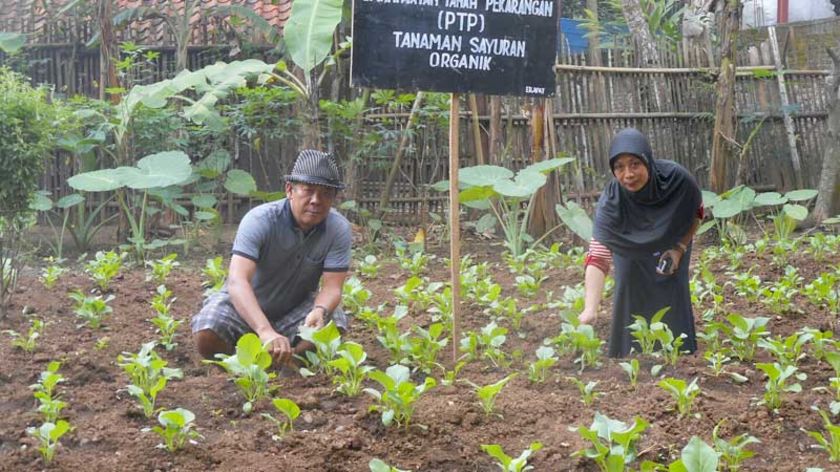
column 801, row 195
column 482, row 176
column 770, row 198
column 545, row 167
column 523, row 186
column 103, row 180
column 576, row 218
column 41, row 201
column 476, row 194
column 204, row 201
column 797, row 212
column 11, row 43
column 240, row 182
column 309, row 31
column 710, row 199
column 727, row 208
column 697, row 456
column 68, row 201
column 159, row 170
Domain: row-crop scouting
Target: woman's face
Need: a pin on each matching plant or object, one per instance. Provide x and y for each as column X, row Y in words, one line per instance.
column 631, row 172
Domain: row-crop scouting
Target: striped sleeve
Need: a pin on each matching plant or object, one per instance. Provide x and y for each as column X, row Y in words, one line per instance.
column 598, row 256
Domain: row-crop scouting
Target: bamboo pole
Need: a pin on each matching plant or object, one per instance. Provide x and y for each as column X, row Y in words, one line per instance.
column 476, row 129
column 790, row 128
column 454, row 226
column 741, row 70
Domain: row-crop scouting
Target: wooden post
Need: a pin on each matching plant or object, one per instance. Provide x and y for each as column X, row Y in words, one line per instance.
column 789, row 126
column 476, row 129
column 454, row 226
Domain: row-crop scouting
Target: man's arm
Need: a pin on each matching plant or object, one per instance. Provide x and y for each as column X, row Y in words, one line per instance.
column 242, row 296
column 328, row 297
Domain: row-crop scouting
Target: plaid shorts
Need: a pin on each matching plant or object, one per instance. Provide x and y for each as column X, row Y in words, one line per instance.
column 219, row 315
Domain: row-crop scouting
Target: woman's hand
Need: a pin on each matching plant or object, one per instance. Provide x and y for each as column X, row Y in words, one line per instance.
column 588, row 316
column 676, row 256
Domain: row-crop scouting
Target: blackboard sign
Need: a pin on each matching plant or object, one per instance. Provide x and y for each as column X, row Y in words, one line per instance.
column 496, row 47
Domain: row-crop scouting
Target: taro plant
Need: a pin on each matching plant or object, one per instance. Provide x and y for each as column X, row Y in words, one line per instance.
column 289, row 411
column 504, row 195
column 161, row 268
column 612, row 442
column 104, row 267
column 785, row 218
column 734, row 451
column 148, row 375
column 326, row 341
column 507, row 463
column 396, row 402
column 682, row 393
column 215, row 275
column 92, row 310
column 587, row 391
column 538, row 370
column 49, row 403
column 487, row 394
column 28, row 342
column 777, row 383
column 248, row 366
column 51, row 273
column 167, row 326
column 830, row 440
column 176, row 428
column 48, row 435
column 632, row 370
column 349, row 373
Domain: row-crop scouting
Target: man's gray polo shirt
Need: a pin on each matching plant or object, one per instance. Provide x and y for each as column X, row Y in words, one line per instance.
column 289, row 261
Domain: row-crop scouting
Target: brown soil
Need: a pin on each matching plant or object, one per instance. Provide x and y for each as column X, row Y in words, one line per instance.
column 335, row 433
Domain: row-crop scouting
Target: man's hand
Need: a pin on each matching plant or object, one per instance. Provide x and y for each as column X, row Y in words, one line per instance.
column 588, row 316
column 676, row 256
column 315, row 318
column 278, row 346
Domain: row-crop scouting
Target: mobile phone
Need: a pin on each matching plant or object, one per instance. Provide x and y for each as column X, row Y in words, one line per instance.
column 664, row 266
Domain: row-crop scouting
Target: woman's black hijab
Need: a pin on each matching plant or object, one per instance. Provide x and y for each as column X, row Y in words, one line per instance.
column 655, row 217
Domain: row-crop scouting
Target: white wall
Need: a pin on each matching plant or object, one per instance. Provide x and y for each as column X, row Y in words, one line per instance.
column 763, row 12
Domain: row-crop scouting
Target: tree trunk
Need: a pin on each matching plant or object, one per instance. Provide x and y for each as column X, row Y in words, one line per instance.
column 182, row 38
column 351, row 177
column 537, row 223
column 828, row 200
column 645, row 43
column 107, row 51
column 725, row 119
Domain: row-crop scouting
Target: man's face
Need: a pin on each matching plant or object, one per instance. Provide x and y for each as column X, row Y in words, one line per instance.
column 310, row 204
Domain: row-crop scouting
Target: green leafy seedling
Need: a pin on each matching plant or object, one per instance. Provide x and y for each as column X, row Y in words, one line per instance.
column 830, row 441
column 397, row 400
column 29, row 342
column 509, row 464
column 167, row 326
column 215, row 275
column 354, row 295
column 349, row 373
column 488, row 393
column 538, row 370
column 49, row 403
column 632, row 370
column 326, row 341
column 176, row 428
column 684, row 394
column 588, row 394
column 248, row 366
column 378, row 465
column 613, row 443
column 777, row 383
column 51, row 274
column 733, row 452
column 92, row 310
column 369, row 266
column 48, row 436
column 148, row 375
column 290, row 411
column 104, row 268
column 161, row 268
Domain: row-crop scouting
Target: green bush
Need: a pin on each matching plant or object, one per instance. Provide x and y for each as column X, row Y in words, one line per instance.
column 27, row 130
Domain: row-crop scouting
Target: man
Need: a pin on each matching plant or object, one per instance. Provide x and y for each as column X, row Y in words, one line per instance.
column 281, row 252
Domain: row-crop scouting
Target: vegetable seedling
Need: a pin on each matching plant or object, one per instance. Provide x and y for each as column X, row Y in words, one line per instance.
column 176, row 428
column 733, row 452
column 684, row 394
column 48, row 436
column 588, row 394
column 290, row 411
column 538, row 370
column 488, row 393
column 148, row 375
column 632, row 370
column 104, row 268
column 215, row 274
column 248, row 366
column 349, row 373
column 92, row 310
column 161, row 268
column 397, row 400
column 29, row 342
column 509, row 464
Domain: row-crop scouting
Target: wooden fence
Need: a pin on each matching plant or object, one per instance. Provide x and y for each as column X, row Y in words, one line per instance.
column 591, row 104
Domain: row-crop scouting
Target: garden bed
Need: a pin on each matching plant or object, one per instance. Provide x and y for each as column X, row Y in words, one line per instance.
column 336, row 433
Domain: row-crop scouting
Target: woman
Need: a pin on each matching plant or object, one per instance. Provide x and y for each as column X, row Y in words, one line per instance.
column 646, row 216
